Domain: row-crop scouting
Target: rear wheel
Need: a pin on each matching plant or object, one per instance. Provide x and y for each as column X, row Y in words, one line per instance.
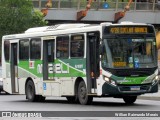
column 129, row 99
column 30, row 92
column 83, row 97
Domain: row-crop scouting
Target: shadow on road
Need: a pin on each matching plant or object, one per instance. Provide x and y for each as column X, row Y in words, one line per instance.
column 95, row 103
column 98, row 103
column 4, row 93
column 109, row 103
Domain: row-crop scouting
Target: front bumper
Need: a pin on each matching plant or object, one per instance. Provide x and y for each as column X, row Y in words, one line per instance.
column 111, row 90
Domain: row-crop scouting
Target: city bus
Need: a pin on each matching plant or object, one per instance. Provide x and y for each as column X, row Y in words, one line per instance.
column 81, row 61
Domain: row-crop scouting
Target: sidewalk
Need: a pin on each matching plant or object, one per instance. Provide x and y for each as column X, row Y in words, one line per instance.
column 151, row 96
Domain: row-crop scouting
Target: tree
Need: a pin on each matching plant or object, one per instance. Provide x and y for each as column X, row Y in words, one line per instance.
column 16, row 16
column 37, row 19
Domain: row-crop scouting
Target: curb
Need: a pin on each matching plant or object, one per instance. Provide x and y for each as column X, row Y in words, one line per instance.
column 151, row 96
column 157, row 98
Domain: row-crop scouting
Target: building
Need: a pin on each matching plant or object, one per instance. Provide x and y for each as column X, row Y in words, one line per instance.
column 144, row 11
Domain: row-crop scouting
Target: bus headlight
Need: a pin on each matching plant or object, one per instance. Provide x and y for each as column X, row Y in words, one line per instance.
column 157, row 77
column 109, row 81
column 155, row 80
column 151, row 80
column 106, row 79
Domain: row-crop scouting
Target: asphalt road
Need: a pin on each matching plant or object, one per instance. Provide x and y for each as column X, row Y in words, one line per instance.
column 19, row 103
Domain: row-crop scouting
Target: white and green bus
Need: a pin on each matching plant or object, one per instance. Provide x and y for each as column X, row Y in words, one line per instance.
column 81, row 61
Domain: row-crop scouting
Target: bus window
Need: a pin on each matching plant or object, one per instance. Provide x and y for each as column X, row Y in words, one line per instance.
column 62, row 47
column 77, row 46
column 35, row 48
column 6, row 50
column 24, row 49
column 50, row 51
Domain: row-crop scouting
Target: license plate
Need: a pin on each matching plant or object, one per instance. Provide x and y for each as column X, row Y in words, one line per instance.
column 135, row 88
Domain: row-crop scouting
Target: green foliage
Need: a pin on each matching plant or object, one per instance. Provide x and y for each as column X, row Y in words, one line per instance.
column 37, row 19
column 16, row 16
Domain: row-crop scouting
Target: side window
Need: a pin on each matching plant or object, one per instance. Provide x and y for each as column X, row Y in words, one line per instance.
column 50, row 50
column 35, row 48
column 62, row 47
column 77, row 46
column 6, row 50
column 24, row 49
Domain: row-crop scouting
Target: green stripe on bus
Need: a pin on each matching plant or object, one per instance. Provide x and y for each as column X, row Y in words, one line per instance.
column 59, row 68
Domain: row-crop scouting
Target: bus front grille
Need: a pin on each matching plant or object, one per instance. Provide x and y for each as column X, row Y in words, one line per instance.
column 128, row 88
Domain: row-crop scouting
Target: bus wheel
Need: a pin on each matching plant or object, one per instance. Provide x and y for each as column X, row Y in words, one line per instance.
column 84, row 99
column 129, row 99
column 30, row 92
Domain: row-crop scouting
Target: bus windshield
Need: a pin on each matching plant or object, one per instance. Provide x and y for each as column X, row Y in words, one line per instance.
column 129, row 52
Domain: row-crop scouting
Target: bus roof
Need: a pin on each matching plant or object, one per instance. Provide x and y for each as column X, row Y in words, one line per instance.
column 56, row 27
column 54, row 30
column 64, row 28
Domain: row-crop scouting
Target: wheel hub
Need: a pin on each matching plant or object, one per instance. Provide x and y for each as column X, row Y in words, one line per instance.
column 83, row 92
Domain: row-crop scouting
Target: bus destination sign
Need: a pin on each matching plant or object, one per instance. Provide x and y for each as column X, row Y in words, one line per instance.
column 128, row 30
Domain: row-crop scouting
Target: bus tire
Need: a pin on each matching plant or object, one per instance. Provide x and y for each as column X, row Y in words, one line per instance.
column 129, row 99
column 30, row 92
column 83, row 97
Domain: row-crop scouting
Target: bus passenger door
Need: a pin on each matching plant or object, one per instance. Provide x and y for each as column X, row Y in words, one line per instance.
column 14, row 68
column 48, row 59
column 93, row 69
